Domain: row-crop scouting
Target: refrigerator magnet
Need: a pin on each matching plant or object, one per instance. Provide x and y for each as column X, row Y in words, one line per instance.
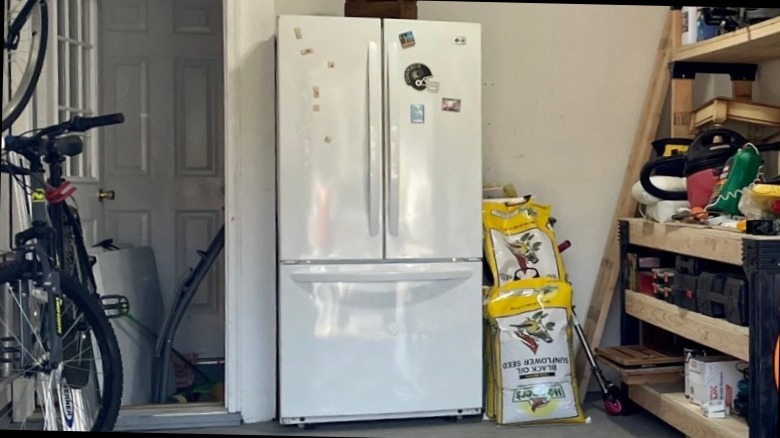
column 407, row 39
column 459, row 40
column 308, row 51
column 315, row 108
column 331, row 64
column 448, row 104
column 417, row 75
column 298, row 34
column 433, row 86
column 316, row 92
column 418, row 113
column 328, row 140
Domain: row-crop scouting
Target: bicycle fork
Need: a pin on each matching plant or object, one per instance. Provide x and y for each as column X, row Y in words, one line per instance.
column 51, row 326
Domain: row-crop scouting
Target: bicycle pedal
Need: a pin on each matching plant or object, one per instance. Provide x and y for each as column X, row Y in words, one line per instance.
column 115, row 306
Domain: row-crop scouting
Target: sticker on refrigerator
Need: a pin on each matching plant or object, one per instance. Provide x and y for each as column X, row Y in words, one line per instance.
column 331, row 64
column 298, row 34
column 448, row 104
column 417, row 76
column 418, row 113
column 407, row 39
column 316, row 92
column 308, row 51
column 315, row 108
column 459, row 40
column 433, row 86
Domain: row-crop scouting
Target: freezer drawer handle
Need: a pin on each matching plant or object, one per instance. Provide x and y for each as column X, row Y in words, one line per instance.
column 379, row 277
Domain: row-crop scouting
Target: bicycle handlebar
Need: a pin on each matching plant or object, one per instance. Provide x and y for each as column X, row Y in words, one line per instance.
column 33, row 145
column 81, row 124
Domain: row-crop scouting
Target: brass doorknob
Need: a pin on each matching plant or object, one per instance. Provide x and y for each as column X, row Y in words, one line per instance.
column 105, row 195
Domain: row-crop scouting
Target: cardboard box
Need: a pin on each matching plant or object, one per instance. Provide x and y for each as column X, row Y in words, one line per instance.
column 713, row 378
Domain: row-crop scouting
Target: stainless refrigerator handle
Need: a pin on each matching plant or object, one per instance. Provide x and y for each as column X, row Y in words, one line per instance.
column 394, row 120
column 374, row 157
column 380, row 277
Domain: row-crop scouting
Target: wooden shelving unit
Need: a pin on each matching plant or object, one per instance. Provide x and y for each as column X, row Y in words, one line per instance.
column 739, row 55
column 759, row 256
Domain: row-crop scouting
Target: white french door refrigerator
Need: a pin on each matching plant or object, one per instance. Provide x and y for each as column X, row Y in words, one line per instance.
column 379, row 218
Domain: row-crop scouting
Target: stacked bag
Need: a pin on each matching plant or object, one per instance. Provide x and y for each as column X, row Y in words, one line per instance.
column 529, row 360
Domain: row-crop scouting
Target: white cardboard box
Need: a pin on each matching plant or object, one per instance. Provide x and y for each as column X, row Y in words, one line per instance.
column 713, row 378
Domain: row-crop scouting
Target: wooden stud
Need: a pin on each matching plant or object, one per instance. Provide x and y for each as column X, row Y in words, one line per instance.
column 742, row 90
column 647, row 129
column 681, row 107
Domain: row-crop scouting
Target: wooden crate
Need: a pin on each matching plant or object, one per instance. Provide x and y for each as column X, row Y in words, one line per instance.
column 638, row 365
column 406, row 9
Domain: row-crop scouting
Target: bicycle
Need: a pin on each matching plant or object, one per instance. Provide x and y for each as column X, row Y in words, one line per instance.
column 27, row 27
column 56, row 332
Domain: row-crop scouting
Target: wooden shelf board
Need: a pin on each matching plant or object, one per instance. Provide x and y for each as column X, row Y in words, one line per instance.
column 755, row 44
column 715, row 333
column 667, row 402
column 719, row 244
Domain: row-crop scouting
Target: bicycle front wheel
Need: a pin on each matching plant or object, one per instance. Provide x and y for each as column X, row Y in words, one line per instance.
column 84, row 391
column 23, row 56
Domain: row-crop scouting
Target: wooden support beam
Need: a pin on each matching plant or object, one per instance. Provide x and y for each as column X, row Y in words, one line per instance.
column 647, row 129
column 742, row 90
column 681, row 107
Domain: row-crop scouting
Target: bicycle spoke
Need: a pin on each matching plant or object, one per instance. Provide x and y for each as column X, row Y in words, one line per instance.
column 30, row 324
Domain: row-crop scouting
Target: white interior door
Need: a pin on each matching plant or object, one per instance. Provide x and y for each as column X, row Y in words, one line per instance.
column 434, row 153
column 330, row 138
column 161, row 65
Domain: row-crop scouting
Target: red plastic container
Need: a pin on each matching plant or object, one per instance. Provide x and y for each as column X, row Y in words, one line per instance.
column 700, row 185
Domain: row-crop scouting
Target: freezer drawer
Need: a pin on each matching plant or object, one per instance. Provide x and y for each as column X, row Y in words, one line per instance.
column 380, row 340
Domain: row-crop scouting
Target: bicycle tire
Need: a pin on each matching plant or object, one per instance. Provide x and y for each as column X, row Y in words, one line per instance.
column 41, row 9
column 102, row 330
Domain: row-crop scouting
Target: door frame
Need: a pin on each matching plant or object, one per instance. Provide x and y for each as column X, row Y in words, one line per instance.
column 250, row 208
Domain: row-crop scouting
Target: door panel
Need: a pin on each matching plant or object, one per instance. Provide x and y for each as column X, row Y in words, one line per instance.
column 379, row 339
column 434, row 163
column 329, row 136
column 161, row 66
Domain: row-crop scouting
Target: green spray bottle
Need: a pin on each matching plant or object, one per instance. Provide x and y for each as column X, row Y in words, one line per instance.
column 740, row 171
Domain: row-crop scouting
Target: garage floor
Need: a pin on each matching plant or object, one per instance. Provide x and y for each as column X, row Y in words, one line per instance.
column 641, row 424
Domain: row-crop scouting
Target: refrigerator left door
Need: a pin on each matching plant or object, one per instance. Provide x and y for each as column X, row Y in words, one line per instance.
column 329, row 85
column 378, row 341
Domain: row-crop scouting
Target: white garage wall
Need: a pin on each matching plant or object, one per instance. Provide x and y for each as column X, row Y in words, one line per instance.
column 563, row 88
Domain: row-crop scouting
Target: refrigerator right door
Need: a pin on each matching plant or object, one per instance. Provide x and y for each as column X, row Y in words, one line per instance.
column 433, row 151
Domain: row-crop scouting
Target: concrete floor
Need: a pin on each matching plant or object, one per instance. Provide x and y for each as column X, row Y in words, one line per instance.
column 641, row 424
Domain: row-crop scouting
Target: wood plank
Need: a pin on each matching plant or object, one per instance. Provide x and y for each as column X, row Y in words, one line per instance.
column 681, row 106
column 647, row 129
column 742, row 90
column 715, row 333
column 719, row 244
column 636, row 356
column 668, row 403
column 755, row 44
column 645, row 376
